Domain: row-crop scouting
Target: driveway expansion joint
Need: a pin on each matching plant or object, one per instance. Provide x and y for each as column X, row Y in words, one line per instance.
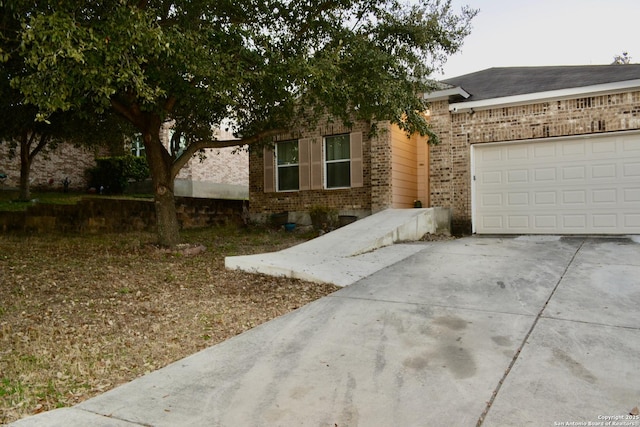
column 526, row 338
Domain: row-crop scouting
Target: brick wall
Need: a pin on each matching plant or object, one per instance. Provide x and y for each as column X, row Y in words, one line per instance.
column 65, row 161
column 450, row 164
column 223, row 166
column 119, row 215
column 374, row 195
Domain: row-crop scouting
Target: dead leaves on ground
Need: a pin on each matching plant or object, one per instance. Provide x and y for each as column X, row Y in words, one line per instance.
column 80, row 315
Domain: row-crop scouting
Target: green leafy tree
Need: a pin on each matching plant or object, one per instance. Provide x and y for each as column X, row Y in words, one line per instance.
column 26, row 136
column 265, row 65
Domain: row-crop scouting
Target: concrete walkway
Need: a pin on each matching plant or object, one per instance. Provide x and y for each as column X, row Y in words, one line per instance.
column 350, row 253
column 474, row 331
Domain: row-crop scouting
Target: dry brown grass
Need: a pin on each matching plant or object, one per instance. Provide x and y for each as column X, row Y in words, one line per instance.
column 82, row 314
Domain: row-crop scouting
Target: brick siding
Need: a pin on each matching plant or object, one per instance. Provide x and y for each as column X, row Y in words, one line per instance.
column 50, row 168
column 222, row 166
column 373, row 196
column 450, row 163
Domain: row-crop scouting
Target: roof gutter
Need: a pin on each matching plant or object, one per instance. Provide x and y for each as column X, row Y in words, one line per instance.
column 528, row 98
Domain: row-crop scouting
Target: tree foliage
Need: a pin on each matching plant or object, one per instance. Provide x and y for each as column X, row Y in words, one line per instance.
column 264, row 65
column 27, row 136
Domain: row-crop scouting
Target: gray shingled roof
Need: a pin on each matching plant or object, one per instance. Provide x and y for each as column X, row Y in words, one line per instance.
column 500, row 82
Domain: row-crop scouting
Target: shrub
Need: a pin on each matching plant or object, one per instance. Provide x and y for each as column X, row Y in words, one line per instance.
column 113, row 174
column 323, row 217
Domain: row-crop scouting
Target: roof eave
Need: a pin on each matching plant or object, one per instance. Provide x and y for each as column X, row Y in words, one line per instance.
column 446, row 94
column 529, row 98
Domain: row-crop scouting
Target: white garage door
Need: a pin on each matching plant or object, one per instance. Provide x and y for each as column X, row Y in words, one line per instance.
column 571, row 186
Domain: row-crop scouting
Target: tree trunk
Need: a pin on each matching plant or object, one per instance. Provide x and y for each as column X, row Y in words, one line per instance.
column 25, row 168
column 160, row 163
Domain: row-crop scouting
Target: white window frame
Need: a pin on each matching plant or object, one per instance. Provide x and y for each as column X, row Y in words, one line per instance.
column 328, row 162
column 288, row 165
column 137, row 146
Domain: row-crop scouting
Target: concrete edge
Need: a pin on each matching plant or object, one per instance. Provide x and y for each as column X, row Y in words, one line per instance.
column 248, row 263
column 64, row 417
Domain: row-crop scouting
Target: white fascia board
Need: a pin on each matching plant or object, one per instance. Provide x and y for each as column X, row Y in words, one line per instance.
column 440, row 95
column 531, row 98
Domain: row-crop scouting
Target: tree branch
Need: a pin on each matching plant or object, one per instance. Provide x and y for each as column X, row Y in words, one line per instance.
column 197, row 146
column 44, row 139
column 123, row 110
column 170, row 104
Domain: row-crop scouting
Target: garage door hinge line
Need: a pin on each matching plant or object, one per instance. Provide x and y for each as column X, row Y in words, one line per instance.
column 526, row 338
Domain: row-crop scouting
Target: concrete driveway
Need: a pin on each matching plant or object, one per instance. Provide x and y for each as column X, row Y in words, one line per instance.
column 476, row 331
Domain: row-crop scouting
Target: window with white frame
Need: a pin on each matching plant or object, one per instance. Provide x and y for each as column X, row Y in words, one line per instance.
column 137, row 146
column 337, row 154
column 288, row 166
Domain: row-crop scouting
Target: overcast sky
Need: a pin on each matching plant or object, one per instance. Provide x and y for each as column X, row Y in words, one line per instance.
column 510, row 33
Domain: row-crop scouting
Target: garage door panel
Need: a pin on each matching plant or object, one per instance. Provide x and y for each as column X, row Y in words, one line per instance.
column 608, row 196
column 586, row 186
column 631, row 195
column 516, row 176
column 574, row 173
column 573, row 149
column 518, row 199
column 605, row 221
column 631, row 170
column 574, row 197
column 544, row 197
column 574, row 221
column 518, row 221
column 603, row 171
column 631, row 220
column 492, row 177
column 606, row 146
column 492, row 222
column 547, row 151
column 544, row 174
column 548, row 222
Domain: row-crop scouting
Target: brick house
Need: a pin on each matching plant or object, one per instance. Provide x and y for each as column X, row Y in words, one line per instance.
column 536, row 150
column 49, row 169
column 539, row 150
column 339, row 167
column 223, row 173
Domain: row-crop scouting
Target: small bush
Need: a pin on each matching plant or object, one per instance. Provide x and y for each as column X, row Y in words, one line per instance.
column 323, row 217
column 113, row 174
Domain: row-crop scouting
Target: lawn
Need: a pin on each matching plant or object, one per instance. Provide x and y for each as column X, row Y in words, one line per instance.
column 81, row 314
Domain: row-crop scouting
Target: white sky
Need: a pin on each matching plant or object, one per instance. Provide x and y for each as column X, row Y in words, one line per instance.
column 509, row 33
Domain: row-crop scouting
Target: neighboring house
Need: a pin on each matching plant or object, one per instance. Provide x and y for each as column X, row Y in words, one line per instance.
column 218, row 174
column 221, row 173
column 539, row 150
column 49, row 168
